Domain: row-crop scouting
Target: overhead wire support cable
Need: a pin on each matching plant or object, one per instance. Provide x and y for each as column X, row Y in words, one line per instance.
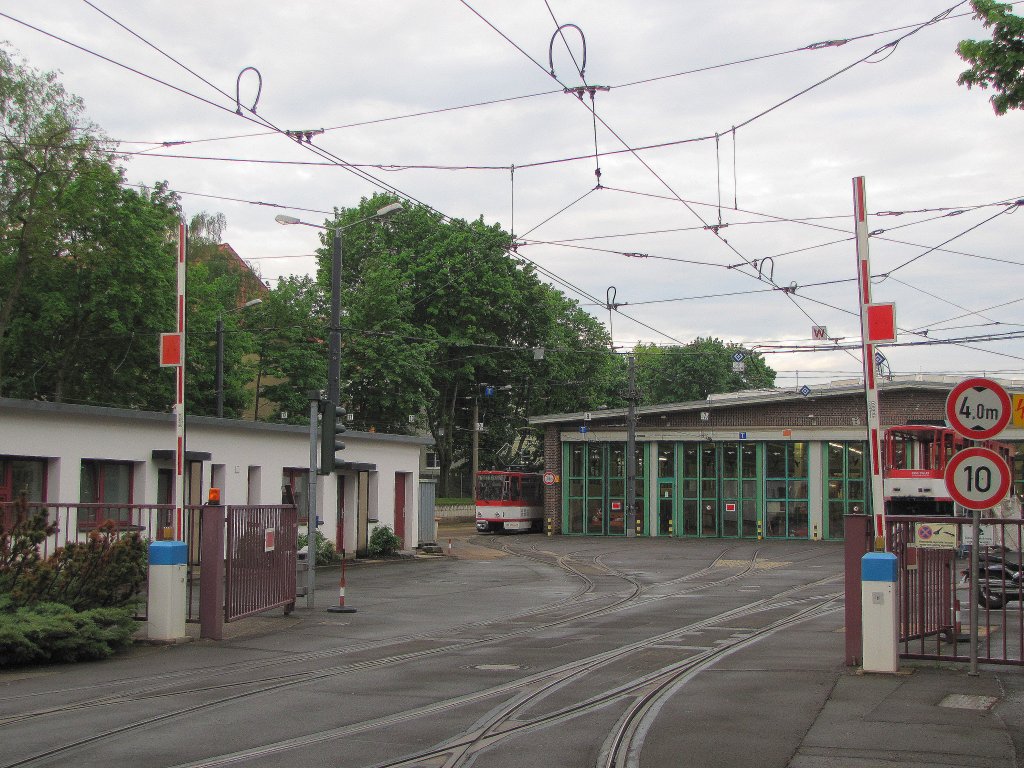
column 366, row 177
column 380, row 184
column 491, row 102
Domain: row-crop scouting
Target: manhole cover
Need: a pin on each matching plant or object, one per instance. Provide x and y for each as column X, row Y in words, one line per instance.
column 498, row 667
column 965, row 701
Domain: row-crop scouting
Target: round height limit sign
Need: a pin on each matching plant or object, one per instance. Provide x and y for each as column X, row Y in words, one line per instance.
column 978, row 408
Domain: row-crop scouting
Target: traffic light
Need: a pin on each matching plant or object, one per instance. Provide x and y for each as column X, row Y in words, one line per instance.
column 332, row 424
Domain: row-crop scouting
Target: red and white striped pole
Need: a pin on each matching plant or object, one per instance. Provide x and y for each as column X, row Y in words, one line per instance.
column 341, row 607
column 868, row 353
column 179, row 401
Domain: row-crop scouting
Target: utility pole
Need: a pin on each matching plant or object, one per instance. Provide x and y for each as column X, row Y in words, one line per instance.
column 314, row 411
column 632, row 396
column 476, row 440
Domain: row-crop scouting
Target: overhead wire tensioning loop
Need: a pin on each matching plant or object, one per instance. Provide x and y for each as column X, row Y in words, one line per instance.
column 551, row 49
column 238, row 87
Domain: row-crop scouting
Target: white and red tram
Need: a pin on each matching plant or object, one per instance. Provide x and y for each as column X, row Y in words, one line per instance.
column 914, row 467
column 509, row 501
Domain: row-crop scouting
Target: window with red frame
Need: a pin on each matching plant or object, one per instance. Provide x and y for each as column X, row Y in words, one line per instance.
column 109, row 483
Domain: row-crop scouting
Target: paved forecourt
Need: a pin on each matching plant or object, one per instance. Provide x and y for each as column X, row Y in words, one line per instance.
column 523, row 650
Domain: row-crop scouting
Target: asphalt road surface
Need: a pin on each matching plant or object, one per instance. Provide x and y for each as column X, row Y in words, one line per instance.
column 518, row 651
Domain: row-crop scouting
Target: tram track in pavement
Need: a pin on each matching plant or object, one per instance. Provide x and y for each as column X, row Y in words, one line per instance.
column 163, row 682
column 510, row 719
column 267, row 685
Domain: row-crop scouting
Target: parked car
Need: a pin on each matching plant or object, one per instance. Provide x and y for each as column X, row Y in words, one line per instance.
column 999, row 580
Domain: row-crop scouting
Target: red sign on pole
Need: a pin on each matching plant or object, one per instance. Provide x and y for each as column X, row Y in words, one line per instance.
column 170, row 350
column 881, row 323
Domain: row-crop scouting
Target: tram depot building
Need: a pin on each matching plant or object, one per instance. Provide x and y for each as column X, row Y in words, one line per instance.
column 777, row 464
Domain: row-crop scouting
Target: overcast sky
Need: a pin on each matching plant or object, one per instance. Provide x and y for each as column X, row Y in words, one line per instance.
column 930, row 150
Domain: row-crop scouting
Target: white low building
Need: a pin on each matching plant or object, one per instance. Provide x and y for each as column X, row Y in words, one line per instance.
column 69, row 454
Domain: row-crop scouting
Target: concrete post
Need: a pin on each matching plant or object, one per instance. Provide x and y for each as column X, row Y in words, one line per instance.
column 878, row 612
column 165, row 612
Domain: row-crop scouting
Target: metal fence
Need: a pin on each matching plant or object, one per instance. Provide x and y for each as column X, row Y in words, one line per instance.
column 260, row 559
column 937, row 587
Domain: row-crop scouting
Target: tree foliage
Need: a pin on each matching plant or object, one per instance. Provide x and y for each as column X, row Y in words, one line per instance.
column 694, row 371
column 997, row 63
column 291, row 347
column 436, row 308
column 86, row 269
column 81, row 270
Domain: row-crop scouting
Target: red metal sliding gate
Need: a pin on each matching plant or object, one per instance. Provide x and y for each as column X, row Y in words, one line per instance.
column 249, row 560
column 260, row 560
column 936, row 584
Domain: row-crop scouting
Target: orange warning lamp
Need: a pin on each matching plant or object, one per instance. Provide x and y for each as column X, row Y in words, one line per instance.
column 214, row 497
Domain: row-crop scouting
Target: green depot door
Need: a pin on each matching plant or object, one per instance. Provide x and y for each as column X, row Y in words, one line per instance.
column 594, row 498
column 699, row 492
column 738, row 489
column 718, row 493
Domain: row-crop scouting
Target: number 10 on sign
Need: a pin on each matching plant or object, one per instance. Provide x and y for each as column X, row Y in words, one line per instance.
column 977, row 478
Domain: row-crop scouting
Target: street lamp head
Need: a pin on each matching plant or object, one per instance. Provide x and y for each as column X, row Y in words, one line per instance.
column 389, row 209
column 283, row 219
column 252, row 303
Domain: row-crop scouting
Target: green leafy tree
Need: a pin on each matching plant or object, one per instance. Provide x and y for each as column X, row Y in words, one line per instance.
column 694, row 371
column 997, row 63
column 99, row 293
column 291, row 346
column 86, row 269
column 434, row 309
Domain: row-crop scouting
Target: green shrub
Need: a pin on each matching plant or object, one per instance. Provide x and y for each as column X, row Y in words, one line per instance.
column 383, row 542
column 325, row 552
column 51, row 632
column 106, row 570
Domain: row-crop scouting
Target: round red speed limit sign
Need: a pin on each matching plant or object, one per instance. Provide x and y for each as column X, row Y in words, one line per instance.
column 548, row 478
column 977, row 478
column 978, row 408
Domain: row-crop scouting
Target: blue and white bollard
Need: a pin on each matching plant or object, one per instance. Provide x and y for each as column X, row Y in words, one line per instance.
column 166, row 606
column 878, row 612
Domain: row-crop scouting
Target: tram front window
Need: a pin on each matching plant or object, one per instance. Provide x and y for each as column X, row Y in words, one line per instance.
column 489, row 488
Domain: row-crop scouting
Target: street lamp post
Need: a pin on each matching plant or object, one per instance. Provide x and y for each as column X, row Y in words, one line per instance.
column 333, row 377
column 220, row 354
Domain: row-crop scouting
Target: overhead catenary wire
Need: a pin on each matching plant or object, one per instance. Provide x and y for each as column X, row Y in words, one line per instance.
column 811, row 47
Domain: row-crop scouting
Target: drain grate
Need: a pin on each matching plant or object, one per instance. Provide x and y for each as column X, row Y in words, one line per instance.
column 967, row 701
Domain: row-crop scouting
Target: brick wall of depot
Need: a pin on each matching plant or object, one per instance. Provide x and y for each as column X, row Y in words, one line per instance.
column 553, row 493
column 841, row 411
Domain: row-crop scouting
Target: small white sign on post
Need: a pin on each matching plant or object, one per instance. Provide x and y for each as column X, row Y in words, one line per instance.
column 935, row 535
